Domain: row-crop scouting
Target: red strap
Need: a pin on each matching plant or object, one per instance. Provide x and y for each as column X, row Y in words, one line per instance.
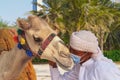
column 47, row 41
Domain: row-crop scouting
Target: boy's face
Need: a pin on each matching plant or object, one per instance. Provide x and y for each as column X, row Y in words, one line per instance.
column 84, row 55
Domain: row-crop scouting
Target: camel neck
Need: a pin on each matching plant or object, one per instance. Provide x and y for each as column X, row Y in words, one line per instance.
column 12, row 62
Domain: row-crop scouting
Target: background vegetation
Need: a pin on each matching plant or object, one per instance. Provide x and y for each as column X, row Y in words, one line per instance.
column 102, row 17
column 113, row 54
column 3, row 24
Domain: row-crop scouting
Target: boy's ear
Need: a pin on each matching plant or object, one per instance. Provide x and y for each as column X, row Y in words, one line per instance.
column 24, row 25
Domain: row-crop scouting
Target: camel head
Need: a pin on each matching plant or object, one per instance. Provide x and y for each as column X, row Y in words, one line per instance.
column 44, row 41
column 31, row 35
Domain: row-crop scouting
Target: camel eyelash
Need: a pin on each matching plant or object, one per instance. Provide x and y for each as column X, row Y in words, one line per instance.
column 37, row 39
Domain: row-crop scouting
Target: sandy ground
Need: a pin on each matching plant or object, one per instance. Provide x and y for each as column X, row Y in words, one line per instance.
column 43, row 73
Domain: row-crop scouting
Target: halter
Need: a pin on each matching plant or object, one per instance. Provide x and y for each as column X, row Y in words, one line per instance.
column 22, row 43
column 46, row 43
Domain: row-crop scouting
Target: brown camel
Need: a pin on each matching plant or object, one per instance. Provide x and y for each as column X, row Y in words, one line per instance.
column 7, row 43
column 36, row 38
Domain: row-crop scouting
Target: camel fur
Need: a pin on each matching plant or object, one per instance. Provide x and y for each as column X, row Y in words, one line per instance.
column 12, row 62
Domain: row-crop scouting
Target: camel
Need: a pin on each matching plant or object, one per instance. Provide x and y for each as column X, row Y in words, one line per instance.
column 37, row 39
column 7, row 43
column 56, row 51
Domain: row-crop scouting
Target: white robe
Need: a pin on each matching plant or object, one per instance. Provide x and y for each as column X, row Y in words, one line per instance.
column 93, row 69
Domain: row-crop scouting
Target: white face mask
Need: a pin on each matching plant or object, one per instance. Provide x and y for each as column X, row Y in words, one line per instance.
column 75, row 58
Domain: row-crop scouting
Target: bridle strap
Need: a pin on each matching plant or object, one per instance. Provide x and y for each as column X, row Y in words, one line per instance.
column 43, row 46
column 26, row 46
column 46, row 43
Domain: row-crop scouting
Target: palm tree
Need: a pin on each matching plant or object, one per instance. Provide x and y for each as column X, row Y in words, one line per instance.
column 73, row 15
column 113, row 39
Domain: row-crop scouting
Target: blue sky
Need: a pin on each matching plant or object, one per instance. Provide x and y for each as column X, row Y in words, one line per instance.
column 10, row 10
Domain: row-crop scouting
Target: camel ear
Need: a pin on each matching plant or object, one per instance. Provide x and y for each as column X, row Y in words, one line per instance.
column 32, row 17
column 23, row 24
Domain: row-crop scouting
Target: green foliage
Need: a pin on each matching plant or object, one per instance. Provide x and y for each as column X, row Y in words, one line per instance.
column 38, row 60
column 65, row 37
column 3, row 24
column 99, row 16
column 113, row 54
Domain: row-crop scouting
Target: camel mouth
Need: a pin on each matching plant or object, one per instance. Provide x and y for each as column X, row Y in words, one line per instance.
column 67, row 65
column 59, row 53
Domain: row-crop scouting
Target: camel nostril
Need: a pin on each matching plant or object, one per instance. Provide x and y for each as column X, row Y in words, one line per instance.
column 62, row 54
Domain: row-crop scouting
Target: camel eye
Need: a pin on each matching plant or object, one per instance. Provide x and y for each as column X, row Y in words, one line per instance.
column 37, row 39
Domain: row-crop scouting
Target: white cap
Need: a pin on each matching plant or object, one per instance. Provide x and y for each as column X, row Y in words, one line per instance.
column 84, row 41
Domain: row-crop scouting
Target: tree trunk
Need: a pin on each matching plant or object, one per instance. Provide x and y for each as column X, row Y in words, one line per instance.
column 101, row 39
